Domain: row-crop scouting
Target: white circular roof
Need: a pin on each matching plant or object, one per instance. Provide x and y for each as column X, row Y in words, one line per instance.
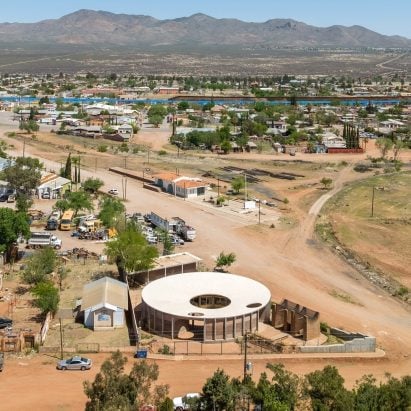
column 172, row 294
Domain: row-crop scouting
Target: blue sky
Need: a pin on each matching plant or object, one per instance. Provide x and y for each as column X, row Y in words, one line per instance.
column 384, row 16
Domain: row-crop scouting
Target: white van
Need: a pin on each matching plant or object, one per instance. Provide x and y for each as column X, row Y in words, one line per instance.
column 180, row 405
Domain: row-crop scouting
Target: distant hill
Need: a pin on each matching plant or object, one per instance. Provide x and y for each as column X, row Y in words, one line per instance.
column 100, row 28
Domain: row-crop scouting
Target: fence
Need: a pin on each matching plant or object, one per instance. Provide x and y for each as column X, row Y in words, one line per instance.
column 255, row 345
column 88, row 347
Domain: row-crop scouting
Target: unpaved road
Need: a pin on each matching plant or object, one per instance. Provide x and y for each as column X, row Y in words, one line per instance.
column 288, row 262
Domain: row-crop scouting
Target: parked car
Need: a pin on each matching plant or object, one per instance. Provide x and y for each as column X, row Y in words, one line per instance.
column 5, row 322
column 3, row 197
column 52, row 224
column 176, row 240
column 74, row 363
column 46, row 195
column 11, row 198
column 113, row 191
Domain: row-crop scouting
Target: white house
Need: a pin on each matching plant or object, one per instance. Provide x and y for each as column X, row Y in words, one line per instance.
column 331, row 140
column 180, row 186
column 104, row 302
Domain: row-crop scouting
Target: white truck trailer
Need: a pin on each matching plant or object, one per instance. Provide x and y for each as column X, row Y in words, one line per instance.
column 43, row 239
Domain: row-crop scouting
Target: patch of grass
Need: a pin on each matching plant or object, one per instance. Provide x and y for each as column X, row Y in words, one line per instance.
column 343, row 297
column 325, row 231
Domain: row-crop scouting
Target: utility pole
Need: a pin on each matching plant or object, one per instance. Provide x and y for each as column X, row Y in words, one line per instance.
column 259, row 211
column 218, row 187
column 245, row 187
column 372, row 201
column 245, row 356
column 61, row 340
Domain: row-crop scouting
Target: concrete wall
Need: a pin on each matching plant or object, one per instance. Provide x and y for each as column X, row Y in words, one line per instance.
column 366, row 344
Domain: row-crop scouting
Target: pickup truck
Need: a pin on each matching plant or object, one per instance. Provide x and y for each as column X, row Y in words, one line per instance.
column 44, row 239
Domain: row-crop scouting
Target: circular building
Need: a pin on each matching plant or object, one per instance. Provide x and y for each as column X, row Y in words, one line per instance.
column 213, row 306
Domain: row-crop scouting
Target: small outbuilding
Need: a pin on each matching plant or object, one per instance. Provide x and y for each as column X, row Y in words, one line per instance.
column 104, row 303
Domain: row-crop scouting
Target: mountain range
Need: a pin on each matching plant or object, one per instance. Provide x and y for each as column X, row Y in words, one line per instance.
column 100, row 28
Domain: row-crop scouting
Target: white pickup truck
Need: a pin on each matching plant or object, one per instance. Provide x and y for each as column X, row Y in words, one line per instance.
column 43, row 239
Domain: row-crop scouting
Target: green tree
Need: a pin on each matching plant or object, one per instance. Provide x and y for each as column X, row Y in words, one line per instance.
column 131, row 252
column 24, row 176
column 218, row 393
column 111, row 211
column 113, row 389
column 61, row 205
column 384, row 145
column 46, row 297
column 40, row 266
column 168, row 246
column 166, row 405
column 92, row 185
column 326, row 390
column 30, row 126
column 397, row 147
column 79, row 200
column 155, row 120
column 67, row 169
column 326, row 182
column 183, row 105
column 238, row 183
column 225, row 260
column 225, row 146
column 12, row 225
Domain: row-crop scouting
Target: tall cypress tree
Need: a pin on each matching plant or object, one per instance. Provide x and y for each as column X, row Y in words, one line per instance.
column 67, row 169
column 78, row 171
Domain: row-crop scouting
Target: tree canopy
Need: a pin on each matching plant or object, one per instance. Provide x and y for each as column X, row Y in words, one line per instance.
column 113, row 389
column 46, row 297
column 12, row 225
column 111, row 211
column 92, row 185
column 78, row 200
column 24, row 176
column 131, row 252
column 39, row 266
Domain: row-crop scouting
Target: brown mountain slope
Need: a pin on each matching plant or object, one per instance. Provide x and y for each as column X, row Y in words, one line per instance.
column 88, row 27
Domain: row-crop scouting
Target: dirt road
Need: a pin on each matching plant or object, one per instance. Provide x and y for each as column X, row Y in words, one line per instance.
column 289, row 262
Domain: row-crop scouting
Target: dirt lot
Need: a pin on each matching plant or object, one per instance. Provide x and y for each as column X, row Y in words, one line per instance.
column 287, row 259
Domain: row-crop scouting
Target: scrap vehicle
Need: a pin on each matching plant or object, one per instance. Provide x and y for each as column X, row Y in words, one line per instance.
column 175, row 225
column 43, row 239
column 185, row 231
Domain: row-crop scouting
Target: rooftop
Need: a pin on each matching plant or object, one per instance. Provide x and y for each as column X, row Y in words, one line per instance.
column 173, row 294
column 103, row 292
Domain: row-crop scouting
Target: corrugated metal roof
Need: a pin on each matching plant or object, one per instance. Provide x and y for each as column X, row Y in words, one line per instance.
column 106, row 290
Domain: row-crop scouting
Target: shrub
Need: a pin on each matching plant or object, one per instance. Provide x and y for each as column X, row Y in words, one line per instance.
column 165, row 350
column 102, row 148
column 162, row 153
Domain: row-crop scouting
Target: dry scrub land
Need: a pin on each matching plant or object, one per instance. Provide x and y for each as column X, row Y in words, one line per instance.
column 383, row 240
